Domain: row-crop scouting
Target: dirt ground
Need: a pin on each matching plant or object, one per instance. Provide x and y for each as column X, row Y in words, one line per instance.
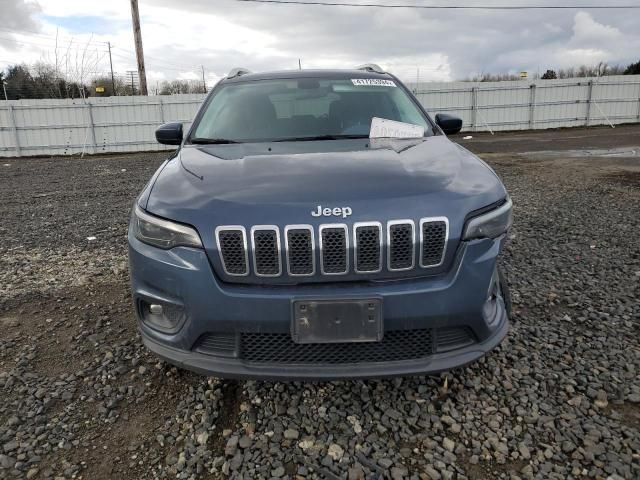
column 81, row 398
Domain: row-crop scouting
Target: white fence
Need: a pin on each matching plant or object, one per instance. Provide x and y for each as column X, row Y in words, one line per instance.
column 127, row 124
column 523, row 105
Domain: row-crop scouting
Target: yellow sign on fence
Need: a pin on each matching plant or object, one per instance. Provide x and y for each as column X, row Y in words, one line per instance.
column 99, row 89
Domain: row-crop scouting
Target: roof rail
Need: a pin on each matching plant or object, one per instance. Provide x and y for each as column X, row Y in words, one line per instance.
column 236, row 72
column 371, row 67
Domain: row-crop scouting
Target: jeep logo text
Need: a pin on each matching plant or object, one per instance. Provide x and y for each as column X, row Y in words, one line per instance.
column 343, row 212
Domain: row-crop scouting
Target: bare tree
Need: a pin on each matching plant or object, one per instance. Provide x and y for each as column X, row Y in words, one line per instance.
column 181, row 86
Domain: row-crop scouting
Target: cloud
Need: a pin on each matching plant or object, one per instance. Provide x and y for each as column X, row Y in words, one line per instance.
column 586, row 31
column 19, row 15
column 180, row 37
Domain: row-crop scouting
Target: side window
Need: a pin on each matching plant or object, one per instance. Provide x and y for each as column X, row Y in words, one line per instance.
column 206, row 127
column 407, row 110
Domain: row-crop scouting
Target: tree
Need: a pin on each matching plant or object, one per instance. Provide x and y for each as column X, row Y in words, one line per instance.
column 19, row 83
column 40, row 81
column 549, row 75
column 1, row 85
column 495, row 77
column 632, row 69
column 181, row 86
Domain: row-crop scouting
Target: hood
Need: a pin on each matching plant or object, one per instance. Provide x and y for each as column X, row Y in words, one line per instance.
column 218, row 182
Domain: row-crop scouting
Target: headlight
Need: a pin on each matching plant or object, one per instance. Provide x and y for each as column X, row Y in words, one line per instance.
column 491, row 224
column 162, row 233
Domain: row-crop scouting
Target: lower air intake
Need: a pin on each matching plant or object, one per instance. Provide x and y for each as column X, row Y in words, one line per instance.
column 453, row 338
column 279, row 348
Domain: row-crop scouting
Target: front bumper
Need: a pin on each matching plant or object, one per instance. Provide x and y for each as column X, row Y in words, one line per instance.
column 183, row 277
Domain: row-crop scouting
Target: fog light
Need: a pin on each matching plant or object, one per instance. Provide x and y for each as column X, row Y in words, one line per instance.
column 155, row 309
column 164, row 317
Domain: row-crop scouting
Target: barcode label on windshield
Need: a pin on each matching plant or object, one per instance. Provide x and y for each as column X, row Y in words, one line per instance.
column 373, row 82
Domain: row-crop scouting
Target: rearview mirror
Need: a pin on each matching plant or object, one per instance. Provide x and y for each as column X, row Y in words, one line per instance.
column 169, row 134
column 448, row 123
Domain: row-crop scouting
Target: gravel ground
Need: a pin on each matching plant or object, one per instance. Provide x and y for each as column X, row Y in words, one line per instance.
column 81, row 398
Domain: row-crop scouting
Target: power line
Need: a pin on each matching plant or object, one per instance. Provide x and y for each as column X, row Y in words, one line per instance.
column 61, row 46
column 447, row 7
column 161, row 64
column 131, row 57
column 29, row 33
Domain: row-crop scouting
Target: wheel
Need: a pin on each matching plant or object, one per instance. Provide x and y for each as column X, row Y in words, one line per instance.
column 504, row 290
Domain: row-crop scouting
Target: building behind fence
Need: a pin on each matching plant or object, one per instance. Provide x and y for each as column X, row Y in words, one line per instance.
column 127, row 124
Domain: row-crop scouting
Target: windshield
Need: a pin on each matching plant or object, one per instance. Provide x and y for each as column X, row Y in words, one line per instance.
column 303, row 109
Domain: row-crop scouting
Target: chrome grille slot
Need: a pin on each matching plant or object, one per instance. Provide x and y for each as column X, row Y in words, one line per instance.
column 433, row 238
column 334, row 257
column 300, row 250
column 265, row 241
column 400, row 245
column 232, row 245
column 367, row 245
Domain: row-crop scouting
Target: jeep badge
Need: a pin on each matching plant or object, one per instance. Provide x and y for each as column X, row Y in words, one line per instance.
column 343, row 212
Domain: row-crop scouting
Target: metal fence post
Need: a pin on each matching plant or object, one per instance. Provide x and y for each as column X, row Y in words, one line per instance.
column 14, row 129
column 639, row 103
column 161, row 105
column 93, row 128
column 532, row 105
column 474, row 108
column 589, row 96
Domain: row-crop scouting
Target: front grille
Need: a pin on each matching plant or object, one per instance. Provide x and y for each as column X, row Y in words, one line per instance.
column 368, row 248
column 300, row 250
column 279, row 348
column 266, row 251
column 365, row 248
column 401, row 245
column 333, row 246
column 232, row 244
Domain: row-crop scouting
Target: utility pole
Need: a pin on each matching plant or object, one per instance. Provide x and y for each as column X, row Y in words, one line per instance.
column 204, row 83
column 113, row 81
column 299, row 65
column 142, row 77
column 5, row 89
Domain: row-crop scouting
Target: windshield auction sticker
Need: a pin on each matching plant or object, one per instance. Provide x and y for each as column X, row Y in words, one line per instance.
column 382, row 128
column 372, row 82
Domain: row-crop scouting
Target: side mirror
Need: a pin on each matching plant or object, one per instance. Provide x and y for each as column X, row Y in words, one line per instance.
column 169, row 134
column 448, row 123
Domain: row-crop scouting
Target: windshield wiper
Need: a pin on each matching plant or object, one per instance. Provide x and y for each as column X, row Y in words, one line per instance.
column 211, row 141
column 320, row 137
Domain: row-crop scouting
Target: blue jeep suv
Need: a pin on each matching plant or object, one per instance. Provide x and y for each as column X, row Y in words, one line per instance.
column 281, row 240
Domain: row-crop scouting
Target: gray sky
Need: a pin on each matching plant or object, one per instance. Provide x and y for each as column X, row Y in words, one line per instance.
column 180, row 36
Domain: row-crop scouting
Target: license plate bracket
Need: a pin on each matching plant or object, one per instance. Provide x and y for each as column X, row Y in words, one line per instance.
column 337, row 321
